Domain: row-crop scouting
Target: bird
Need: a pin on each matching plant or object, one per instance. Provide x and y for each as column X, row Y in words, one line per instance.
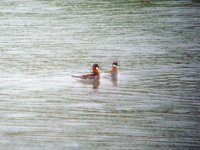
column 94, row 75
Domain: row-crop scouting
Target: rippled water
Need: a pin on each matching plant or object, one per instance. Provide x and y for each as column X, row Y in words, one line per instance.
column 153, row 105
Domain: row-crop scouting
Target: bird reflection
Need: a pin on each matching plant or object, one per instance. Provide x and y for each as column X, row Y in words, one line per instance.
column 95, row 84
column 114, row 81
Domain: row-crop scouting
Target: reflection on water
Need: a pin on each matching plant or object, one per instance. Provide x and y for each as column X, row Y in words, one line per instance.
column 154, row 103
column 114, row 79
column 115, row 82
column 96, row 84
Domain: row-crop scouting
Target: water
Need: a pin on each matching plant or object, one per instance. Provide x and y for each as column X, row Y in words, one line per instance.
column 153, row 105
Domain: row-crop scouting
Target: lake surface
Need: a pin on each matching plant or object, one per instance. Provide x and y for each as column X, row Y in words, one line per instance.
column 153, row 105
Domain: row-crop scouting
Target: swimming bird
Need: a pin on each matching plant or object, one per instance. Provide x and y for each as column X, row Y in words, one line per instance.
column 94, row 75
column 114, row 71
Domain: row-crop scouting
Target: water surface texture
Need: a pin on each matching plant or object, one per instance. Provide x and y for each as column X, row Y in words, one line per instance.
column 153, row 105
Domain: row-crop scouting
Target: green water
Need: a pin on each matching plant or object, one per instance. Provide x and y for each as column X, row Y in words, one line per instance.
column 153, row 105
